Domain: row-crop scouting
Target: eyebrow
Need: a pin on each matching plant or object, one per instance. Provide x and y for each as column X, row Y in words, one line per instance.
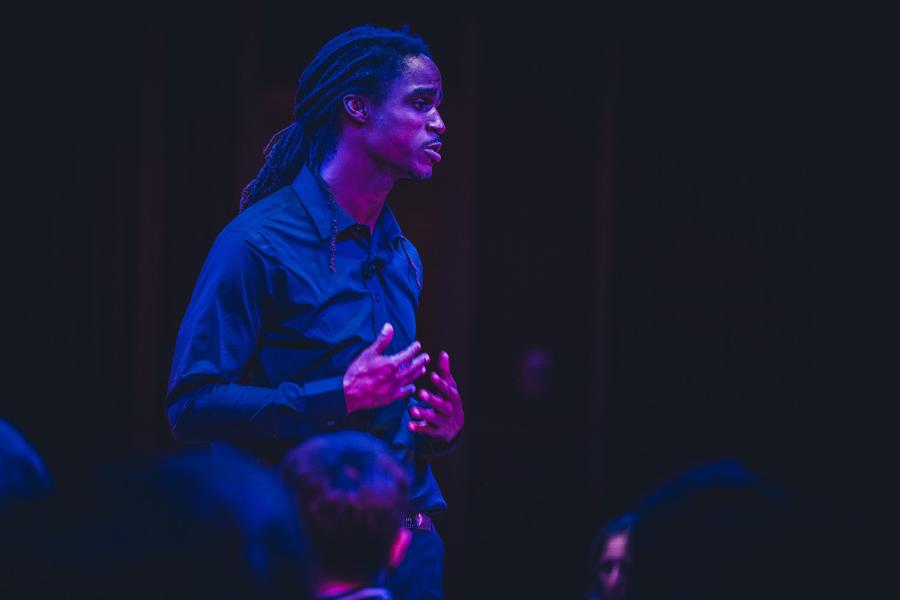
column 428, row 91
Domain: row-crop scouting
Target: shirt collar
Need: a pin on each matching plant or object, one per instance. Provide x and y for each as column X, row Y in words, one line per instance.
column 315, row 200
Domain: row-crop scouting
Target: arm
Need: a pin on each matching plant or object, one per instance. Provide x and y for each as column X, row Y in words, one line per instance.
column 217, row 339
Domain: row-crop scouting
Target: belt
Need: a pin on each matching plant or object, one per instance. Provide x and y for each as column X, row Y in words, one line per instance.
column 417, row 520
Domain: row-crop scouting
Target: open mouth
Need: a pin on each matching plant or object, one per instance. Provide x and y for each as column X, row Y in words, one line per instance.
column 434, row 151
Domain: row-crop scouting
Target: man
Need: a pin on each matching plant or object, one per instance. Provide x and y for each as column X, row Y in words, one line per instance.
column 303, row 317
column 352, row 498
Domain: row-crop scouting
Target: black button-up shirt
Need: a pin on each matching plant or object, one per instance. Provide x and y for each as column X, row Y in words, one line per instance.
column 270, row 330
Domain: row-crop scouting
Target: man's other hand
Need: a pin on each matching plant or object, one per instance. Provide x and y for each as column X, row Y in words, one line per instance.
column 444, row 419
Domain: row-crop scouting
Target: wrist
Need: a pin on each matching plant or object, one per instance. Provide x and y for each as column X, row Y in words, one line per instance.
column 349, row 399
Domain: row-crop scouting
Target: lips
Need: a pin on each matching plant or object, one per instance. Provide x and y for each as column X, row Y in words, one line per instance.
column 433, row 151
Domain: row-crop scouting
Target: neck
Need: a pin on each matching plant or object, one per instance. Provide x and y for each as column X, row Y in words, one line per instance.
column 357, row 188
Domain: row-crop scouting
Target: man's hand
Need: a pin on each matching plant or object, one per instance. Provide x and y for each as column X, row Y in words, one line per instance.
column 374, row 380
column 445, row 419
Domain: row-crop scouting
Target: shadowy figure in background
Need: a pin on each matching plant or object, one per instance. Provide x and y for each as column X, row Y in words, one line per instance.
column 353, row 498
column 718, row 531
column 609, row 561
column 23, row 476
column 25, row 490
column 197, row 525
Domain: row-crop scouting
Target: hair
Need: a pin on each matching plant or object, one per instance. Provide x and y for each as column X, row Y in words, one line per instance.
column 362, row 60
column 23, row 476
column 352, row 497
column 717, row 530
column 196, row 524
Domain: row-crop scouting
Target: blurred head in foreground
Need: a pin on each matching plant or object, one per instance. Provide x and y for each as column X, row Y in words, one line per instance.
column 23, row 476
column 352, row 497
column 195, row 525
column 714, row 531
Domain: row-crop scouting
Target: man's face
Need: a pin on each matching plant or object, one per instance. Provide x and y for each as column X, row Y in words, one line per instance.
column 614, row 566
column 404, row 141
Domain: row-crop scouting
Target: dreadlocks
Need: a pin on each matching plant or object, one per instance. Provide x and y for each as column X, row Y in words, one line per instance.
column 363, row 60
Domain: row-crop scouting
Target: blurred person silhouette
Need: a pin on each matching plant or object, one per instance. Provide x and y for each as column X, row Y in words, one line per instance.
column 353, row 497
column 609, row 560
column 195, row 525
column 25, row 490
column 717, row 530
column 23, row 476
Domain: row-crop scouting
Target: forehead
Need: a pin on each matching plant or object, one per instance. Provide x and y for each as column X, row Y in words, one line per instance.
column 616, row 547
column 419, row 74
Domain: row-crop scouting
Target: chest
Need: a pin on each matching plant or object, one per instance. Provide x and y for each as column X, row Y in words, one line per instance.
column 344, row 309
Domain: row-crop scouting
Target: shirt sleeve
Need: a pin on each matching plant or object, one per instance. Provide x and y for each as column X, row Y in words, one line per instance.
column 206, row 400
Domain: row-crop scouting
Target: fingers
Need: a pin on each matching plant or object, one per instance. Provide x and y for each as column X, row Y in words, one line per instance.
column 413, row 370
column 404, row 391
column 446, row 383
column 434, row 401
column 423, row 420
column 446, row 388
column 407, row 354
column 423, row 414
column 383, row 340
column 444, row 365
column 420, row 427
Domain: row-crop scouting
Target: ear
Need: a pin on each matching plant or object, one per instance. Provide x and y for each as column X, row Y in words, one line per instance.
column 356, row 107
column 399, row 547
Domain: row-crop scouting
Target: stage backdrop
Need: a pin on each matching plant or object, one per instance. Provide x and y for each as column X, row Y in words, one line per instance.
column 637, row 250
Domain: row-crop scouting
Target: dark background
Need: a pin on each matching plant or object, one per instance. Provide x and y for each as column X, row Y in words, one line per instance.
column 685, row 212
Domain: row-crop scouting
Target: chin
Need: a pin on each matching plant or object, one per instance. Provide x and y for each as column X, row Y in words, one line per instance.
column 421, row 175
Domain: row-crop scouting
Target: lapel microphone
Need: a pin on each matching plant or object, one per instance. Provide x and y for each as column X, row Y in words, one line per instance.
column 372, row 265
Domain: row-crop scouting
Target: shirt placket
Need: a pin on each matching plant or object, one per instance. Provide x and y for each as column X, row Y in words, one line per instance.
column 376, row 294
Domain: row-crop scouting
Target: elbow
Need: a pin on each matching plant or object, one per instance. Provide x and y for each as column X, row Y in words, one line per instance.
column 178, row 415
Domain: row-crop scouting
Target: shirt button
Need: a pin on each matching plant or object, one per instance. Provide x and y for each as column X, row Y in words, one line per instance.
column 377, row 298
column 329, row 423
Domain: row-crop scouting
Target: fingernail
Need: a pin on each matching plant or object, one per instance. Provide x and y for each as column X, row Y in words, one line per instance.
column 427, row 358
column 385, row 327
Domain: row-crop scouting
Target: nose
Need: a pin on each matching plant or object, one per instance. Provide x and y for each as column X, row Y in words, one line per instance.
column 436, row 124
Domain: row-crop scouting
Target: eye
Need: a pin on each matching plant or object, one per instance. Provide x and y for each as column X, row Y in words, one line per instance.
column 422, row 104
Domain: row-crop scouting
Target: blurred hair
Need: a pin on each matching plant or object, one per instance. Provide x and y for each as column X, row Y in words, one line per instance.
column 352, row 496
column 717, row 530
column 195, row 525
column 23, row 476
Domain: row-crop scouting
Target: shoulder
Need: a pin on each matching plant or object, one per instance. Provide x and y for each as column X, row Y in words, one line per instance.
column 406, row 246
column 272, row 222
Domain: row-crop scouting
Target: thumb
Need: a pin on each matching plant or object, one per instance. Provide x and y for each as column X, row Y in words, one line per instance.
column 383, row 340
